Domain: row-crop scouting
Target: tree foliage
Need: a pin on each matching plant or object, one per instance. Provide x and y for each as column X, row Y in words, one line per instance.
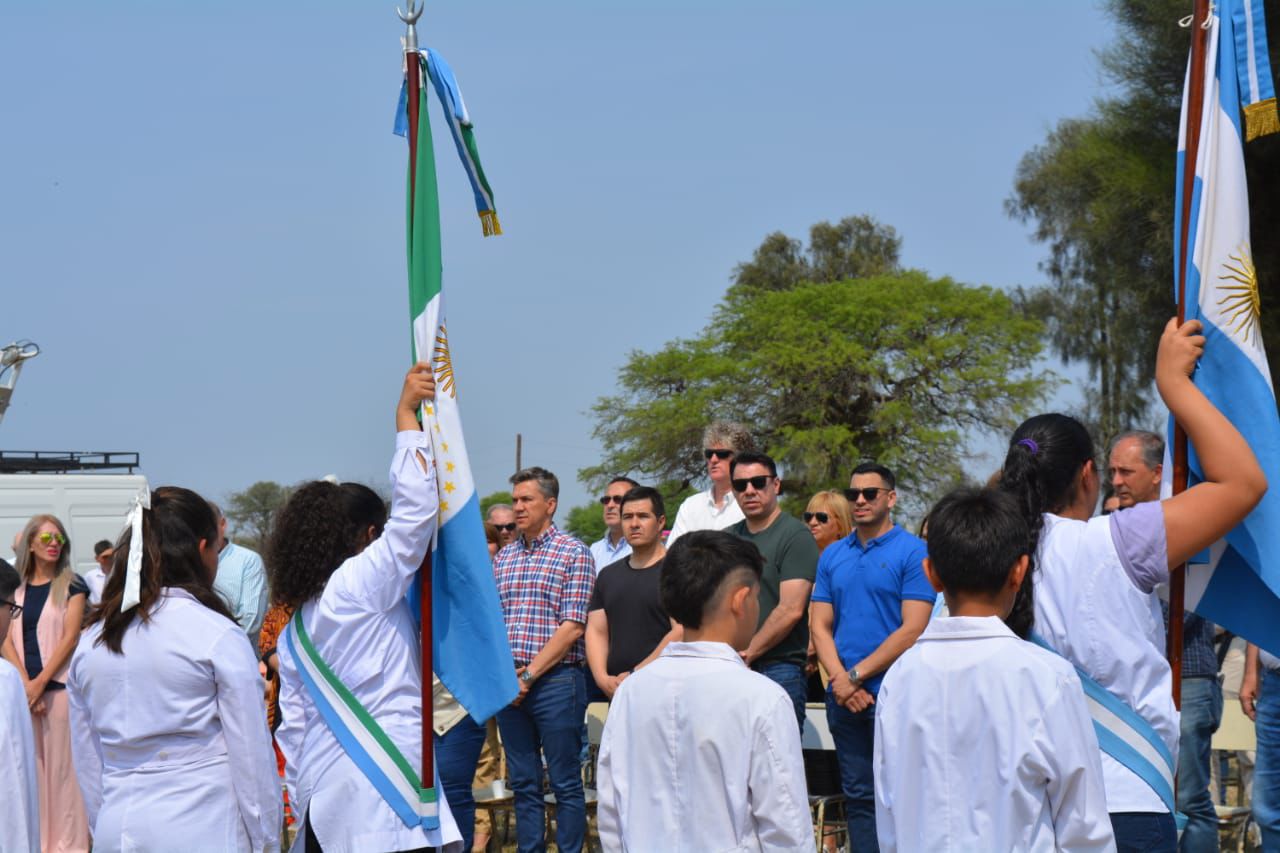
column 586, row 522
column 491, row 499
column 253, row 510
column 893, row 366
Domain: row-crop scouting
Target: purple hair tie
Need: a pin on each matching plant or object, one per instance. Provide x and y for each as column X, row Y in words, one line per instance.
column 1029, row 444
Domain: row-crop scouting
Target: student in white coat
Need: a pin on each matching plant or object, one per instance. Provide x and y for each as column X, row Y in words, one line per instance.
column 1092, row 586
column 345, row 575
column 19, row 808
column 169, row 732
column 983, row 741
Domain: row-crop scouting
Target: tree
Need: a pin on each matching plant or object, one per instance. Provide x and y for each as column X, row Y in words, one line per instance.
column 586, row 522
column 856, row 247
column 897, row 367
column 253, row 510
column 491, row 499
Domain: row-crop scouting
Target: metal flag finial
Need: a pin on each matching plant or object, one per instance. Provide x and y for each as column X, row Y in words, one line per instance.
column 410, row 18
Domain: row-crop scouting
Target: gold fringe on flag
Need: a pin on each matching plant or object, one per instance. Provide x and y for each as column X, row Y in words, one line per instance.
column 1261, row 119
column 489, row 222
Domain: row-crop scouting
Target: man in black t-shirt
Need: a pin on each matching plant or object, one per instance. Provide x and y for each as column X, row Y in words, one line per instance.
column 627, row 627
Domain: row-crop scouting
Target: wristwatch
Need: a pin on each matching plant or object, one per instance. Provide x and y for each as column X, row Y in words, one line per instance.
column 527, row 676
column 854, row 677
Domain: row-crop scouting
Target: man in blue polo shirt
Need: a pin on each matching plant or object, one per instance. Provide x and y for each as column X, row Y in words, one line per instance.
column 871, row 600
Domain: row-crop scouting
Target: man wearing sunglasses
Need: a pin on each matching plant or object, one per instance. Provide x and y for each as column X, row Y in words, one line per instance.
column 614, row 546
column 503, row 517
column 781, row 642
column 19, row 810
column 715, row 508
column 871, row 601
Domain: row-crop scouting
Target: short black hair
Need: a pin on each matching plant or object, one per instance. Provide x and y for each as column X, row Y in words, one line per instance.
column 9, row 581
column 751, row 457
column 645, row 493
column 622, row 479
column 975, row 538
column 876, row 468
column 698, row 568
column 102, row 545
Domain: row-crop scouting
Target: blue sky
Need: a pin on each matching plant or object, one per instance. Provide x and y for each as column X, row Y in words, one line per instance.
column 201, row 204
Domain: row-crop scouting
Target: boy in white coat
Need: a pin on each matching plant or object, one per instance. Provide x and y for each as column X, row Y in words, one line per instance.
column 983, row 741
column 19, row 809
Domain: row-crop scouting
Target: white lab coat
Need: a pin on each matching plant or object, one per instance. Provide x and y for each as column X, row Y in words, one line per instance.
column 363, row 629
column 984, row 742
column 19, row 808
column 699, row 753
column 170, row 739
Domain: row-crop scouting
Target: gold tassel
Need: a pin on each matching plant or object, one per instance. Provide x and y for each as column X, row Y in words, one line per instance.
column 489, row 222
column 1261, row 119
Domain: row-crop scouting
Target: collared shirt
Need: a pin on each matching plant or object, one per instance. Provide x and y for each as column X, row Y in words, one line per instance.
column 701, row 512
column 605, row 554
column 700, row 753
column 541, row 585
column 984, row 742
column 242, row 583
column 19, row 809
column 96, row 580
column 1199, row 660
column 866, row 585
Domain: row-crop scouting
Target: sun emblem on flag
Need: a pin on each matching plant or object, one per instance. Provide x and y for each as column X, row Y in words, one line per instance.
column 1240, row 303
column 444, row 364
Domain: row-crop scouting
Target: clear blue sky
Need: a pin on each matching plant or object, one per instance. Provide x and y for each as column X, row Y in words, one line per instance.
column 201, row 204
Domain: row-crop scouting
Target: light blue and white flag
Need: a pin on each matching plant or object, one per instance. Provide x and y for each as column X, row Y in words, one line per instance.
column 1238, row 586
column 1253, row 69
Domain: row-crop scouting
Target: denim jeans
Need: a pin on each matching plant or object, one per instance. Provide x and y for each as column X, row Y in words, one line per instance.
column 1266, row 770
column 1201, row 714
column 854, row 735
column 457, row 753
column 548, row 723
column 1144, row 832
column 791, row 677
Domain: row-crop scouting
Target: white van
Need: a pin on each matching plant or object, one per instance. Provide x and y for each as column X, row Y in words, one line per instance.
column 91, row 506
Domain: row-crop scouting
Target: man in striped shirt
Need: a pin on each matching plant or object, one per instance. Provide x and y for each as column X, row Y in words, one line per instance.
column 545, row 579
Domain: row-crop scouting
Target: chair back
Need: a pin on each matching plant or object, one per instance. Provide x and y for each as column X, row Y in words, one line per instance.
column 1236, row 732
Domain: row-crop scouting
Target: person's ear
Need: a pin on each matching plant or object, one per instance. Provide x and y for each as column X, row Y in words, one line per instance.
column 738, row 601
column 370, row 534
column 893, row 498
column 1018, row 572
column 932, row 574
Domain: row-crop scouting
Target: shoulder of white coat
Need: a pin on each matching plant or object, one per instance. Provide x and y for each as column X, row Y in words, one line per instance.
column 1051, row 664
column 11, row 688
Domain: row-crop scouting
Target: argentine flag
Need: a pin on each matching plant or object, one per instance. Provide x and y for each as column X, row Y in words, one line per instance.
column 1238, row 586
column 470, row 652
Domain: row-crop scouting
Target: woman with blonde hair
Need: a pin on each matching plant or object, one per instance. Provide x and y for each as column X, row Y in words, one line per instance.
column 828, row 517
column 40, row 644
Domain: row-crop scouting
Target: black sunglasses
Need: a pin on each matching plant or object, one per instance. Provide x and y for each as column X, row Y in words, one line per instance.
column 605, row 500
column 14, row 608
column 822, row 517
column 717, row 453
column 510, row 528
column 869, row 495
column 757, row 483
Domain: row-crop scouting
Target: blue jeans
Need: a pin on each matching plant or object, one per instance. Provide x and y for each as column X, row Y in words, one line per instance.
column 791, row 677
column 548, row 723
column 1144, row 832
column 1266, row 770
column 457, row 753
column 854, row 735
column 1201, row 714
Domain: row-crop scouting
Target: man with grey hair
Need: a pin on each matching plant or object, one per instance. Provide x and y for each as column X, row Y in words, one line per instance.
column 1135, row 467
column 715, row 508
column 241, row 581
column 503, row 517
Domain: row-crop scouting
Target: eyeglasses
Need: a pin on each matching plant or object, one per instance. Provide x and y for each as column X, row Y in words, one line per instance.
column 509, row 528
column 757, row 483
column 14, row 609
column 822, row 517
column 868, row 495
column 611, row 499
column 717, row 453
column 46, row 538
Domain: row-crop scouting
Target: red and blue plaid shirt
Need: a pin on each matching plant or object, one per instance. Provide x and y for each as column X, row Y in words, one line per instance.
column 540, row 586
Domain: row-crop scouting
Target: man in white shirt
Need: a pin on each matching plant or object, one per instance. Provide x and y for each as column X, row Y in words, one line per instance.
column 96, row 579
column 699, row 752
column 983, row 741
column 19, row 809
column 241, row 581
column 715, row 508
column 614, row 546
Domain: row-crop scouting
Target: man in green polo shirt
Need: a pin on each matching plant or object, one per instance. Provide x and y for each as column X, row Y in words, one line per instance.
column 781, row 641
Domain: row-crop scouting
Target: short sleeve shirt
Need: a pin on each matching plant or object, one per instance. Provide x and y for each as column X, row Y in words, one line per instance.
column 789, row 554
column 633, row 608
column 866, row 585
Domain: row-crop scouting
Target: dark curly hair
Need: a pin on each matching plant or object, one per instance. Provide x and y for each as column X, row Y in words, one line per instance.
column 321, row 526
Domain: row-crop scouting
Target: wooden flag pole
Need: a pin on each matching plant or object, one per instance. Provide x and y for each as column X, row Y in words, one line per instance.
column 413, row 84
column 1195, row 104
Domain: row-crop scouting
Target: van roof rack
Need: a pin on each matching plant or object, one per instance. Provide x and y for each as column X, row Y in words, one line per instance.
column 66, row 461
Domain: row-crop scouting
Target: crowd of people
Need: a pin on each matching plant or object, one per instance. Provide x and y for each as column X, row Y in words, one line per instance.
column 954, row 665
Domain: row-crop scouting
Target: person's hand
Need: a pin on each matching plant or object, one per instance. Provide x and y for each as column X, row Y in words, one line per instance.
column 860, row 701
column 35, row 689
column 842, row 688
column 1249, row 697
column 524, row 687
column 1180, row 348
column 612, row 683
column 419, row 386
column 40, row 708
column 811, row 659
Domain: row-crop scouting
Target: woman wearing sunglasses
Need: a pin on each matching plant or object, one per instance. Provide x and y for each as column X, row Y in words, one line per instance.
column 39, row 644
column 828, row 518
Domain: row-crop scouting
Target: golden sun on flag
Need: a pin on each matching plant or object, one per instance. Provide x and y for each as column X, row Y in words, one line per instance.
column 444, row 364
column 1240, row 305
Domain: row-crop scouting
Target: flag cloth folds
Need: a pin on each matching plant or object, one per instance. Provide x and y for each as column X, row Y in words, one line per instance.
column 1238, row 584
column 1253, row 69
column 470, row 651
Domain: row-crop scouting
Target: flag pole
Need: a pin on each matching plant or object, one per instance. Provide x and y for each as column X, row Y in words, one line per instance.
column 1195, row 104
column 413, row 83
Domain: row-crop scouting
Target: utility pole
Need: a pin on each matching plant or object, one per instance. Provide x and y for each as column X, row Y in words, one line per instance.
column 519, row 442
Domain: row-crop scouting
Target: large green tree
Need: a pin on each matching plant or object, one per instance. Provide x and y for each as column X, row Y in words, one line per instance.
column 253, row 510
column 895, row 366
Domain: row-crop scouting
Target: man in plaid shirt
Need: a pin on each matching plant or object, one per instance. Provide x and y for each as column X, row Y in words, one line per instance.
column 545, row 579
